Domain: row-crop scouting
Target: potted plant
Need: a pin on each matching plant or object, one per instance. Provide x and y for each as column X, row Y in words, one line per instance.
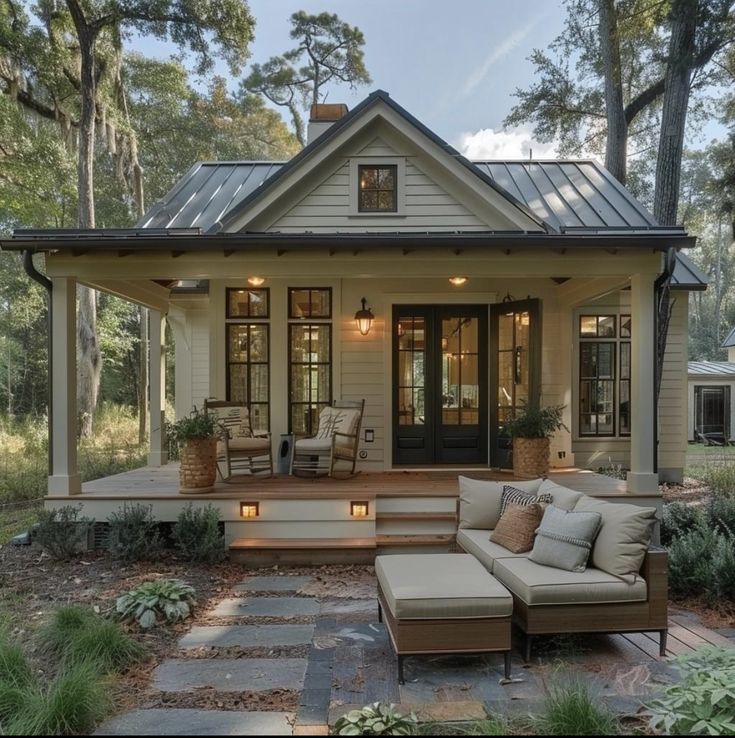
column 197, row 435
column 531, row 431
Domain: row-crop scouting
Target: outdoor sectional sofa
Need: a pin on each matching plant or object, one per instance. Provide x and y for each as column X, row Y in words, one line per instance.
column 623, row 589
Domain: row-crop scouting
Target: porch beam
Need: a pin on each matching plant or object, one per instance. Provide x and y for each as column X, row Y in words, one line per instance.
column 579, row 291
column 158, row 455
column 142, row 292
column 642, row 476
column 64, row 478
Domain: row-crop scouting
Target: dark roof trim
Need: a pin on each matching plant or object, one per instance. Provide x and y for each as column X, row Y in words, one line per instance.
column 371, row 100
column 143, row 240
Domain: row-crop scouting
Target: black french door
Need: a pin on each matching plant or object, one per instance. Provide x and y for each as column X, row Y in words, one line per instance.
column 515, row 369
column 440, row 384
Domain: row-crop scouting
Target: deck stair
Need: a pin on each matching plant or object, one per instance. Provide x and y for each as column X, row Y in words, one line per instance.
column 302, row 551
column 404, row 531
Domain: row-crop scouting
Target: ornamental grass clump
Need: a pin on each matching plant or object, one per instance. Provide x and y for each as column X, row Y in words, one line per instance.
column 197, row 536
column 570, row 709
column 76, row 634
column 168, row 600
column 376, row 719
column 703, row 701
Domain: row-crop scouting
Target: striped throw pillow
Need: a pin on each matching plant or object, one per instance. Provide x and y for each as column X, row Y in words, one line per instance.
column 564, row 539
column 515, row 496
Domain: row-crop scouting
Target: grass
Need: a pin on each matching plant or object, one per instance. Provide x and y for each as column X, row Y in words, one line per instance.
column 75, row 635
column 489, row 726
column 24, row 462
column 571, row 710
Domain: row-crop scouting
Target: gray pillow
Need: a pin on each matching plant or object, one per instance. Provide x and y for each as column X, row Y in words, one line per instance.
column 480, row 501
column 564, row 539
column 515, row 496
column 562, row 497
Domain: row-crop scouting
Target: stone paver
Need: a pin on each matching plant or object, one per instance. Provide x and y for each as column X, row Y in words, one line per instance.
column 247, row 636
column 274, row 584
column 275, row 607
column 197, row 722
column 229, row 675
column 350, row 607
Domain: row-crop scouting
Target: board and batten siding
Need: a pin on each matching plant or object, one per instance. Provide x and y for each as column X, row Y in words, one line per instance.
column 191, row 352
column 329, row 207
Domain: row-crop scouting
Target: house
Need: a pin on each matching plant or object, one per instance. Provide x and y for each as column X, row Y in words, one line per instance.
column 711, row 417
column 492, row 283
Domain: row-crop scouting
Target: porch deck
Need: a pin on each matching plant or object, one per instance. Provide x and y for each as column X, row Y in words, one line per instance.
column 162, row 483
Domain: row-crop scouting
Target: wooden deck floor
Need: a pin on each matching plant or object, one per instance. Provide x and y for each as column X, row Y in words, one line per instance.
column 155, row 483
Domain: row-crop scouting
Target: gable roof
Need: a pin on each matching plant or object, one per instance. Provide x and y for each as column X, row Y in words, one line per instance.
column 730, row 339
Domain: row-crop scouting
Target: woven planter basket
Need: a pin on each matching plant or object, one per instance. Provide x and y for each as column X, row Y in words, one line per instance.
column 530, row 457
column 198, row 470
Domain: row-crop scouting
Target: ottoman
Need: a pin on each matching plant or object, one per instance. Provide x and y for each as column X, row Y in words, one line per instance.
column 442, row 604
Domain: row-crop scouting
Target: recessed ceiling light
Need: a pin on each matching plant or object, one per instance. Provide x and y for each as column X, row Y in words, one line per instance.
column 457, row 281
column 255, row 281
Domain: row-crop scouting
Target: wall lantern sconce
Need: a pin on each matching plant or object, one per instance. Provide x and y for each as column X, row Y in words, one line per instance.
column 457, row 281
column 249, row 509
column 364, row 318
column 359, row 509
column 256, row 281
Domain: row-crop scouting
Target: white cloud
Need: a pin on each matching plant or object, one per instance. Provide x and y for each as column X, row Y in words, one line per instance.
column 515, row 143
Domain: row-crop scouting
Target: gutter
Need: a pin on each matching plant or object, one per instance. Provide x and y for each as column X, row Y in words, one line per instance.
column 663, row 281
column 45, row 282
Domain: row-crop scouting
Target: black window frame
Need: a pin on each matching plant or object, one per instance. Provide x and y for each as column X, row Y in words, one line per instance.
column 248, row 363
column 594, row 381
column 249, row 290
column 361, row 190
column 309, row 318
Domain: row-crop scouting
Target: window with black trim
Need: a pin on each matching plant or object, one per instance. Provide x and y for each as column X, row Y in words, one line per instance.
column 309, row 302
column 248, row 370
column 309, row 375
column 248, row 303
column 604, row 375
column 377, row 188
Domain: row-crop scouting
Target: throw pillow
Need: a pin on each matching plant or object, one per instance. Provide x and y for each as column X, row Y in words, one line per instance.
column 564, row 539
column 516, row 528
column 479, row 501
column 515, row 496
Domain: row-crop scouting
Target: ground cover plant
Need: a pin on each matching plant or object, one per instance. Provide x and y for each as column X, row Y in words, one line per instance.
column 376, row 719
column 168, row 600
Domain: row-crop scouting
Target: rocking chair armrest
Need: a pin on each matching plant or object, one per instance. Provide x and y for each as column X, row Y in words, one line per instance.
column 261, row 434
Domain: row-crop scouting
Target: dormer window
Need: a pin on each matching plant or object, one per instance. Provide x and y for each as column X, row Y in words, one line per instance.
column 377, row 188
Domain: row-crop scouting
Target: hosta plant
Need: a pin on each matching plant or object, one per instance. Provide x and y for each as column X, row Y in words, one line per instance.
column 703, row 701
column 376, row 719
column 168, row 599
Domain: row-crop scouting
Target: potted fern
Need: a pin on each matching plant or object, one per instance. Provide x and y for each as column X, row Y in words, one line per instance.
column 197, row 435
column 531, row 431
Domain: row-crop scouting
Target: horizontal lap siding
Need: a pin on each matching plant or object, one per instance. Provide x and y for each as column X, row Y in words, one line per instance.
column 199, row 358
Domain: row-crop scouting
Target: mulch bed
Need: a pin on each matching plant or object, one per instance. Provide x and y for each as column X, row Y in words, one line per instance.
column 690, row 490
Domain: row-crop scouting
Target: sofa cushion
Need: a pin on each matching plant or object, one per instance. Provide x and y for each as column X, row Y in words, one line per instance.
column 476, row 542
column 562, row 497
column 480, row 501
column 541, row 585
column 624, row 537
column 457, row 586
column 514, row 496
column 516, row 528
column 564, row 539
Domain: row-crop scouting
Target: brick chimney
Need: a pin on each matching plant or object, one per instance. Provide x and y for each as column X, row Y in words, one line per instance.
column 322, row 116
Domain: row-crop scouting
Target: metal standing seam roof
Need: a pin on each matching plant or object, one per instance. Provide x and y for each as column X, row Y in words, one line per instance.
column 730, row 339
column 711, row 368
column 688, row 276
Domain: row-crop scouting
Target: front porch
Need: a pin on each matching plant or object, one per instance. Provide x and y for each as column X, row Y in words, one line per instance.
column 300, row 520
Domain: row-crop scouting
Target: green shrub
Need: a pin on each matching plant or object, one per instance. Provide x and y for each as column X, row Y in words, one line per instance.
column 720, row 478
column 690, row 563
column 63, row 533
column 170, row 599
column 703, row 702
column 723, row 570
column 678, row 519
column 720, row 514
column 376, row 719
column 569, row 709
column 76, row 634
column 613, row 469
column 197, row 535
column 72, row 705
column 134, row 534
column 536, row 422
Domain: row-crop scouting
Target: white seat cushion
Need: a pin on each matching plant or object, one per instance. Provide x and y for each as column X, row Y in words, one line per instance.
column 313, row 445
column 476, row 541
column 248, row 445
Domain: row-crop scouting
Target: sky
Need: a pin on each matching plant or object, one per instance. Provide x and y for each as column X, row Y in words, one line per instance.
column 454, row 64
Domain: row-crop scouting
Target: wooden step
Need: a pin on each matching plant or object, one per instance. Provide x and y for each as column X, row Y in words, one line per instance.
column 418, row 516
column 434, row 539
column 259, row 552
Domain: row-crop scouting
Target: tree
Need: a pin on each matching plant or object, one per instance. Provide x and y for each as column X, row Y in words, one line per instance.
column 329, row 49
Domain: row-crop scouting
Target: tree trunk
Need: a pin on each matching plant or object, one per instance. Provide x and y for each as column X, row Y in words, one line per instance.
column 673, row 117
column 89, row 359
column 617, row 127
column 298, row 124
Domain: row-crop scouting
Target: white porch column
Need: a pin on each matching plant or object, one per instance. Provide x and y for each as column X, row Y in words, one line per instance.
column 158, row 455
column 641, row 477
column 64, row 479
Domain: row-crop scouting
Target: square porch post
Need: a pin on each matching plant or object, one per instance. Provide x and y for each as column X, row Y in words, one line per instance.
column 64, row 478
column 642, row 476
column 158, row 455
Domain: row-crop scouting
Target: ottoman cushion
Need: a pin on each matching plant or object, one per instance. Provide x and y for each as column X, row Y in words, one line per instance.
column 439, row 586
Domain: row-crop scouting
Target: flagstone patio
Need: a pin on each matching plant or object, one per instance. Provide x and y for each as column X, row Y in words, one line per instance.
column 317, row 638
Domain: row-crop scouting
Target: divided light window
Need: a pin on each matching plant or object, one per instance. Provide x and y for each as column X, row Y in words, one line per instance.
column 248, row 352
column 604, row 375
column 377, row 188
column 309, row 302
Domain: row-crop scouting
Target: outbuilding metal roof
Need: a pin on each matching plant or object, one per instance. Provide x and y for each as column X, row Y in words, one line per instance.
column 688, row 276
column 730, row 340
column 711, row 368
